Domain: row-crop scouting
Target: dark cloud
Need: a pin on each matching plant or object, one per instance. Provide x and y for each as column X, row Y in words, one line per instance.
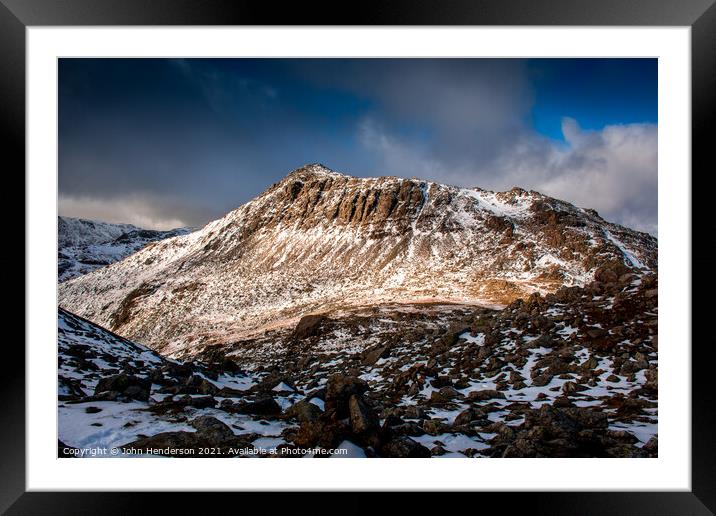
column 159, row 142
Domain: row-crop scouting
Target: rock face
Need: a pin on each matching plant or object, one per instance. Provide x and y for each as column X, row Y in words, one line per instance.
column 319, row 240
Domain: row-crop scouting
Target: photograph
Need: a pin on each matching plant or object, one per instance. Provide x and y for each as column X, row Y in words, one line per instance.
column 357, row 258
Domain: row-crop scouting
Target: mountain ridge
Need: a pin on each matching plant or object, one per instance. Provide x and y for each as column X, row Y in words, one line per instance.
column 319, row 238
column 84, row 245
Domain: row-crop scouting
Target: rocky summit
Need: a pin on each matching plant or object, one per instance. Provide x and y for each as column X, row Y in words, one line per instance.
column 319, row 242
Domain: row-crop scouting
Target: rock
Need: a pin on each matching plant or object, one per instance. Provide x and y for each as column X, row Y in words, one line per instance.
column 622, row 436
column 652, row 380
column 303, row 411
column 308, row 326
column 198, row 385
column 591, row 363
column 467, row 416
column 437, row 450
column 92, row 410
column 339, row 389
column 177, row 370
column 201, row 402
column 170, row 405
column 263, row 406
column 157, row 376
column 126, row 385
column 627, row 278
column 596, row 333
column 363, row 419
column 572, row 387
column 372, row 356
column 225, row 365
column 136, row 392
column 404, row 447
column 435, row 426
column 485, row 394
column 438, row 399
column 212, row 438
column 562, row 401
column 652, row 446
column 449, row 393
column 631, row 407
column 227, row 392
column 611, row 272
column 212, row 429
column 414, row 412
column 541, row 380
column 322, row 432
column 188, row 444
column 403, row 428
column 440, row 381
column 169, row 443
column 560, row 432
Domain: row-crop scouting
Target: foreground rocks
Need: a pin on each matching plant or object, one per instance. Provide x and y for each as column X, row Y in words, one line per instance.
column 570, row 374
column 350, row 416
column 212, row 438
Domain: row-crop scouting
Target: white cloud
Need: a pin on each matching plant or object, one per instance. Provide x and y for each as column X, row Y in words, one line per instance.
column 613, row 170
column 140, row 211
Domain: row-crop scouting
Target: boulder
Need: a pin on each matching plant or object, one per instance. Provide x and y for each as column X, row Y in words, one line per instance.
column 212, row 429
column 125, row 385
column 261, row 406
column 339, row 389
column 485, row 394
column 363, row 419
column 308, row 326
column 303, row 411
column 375, row 354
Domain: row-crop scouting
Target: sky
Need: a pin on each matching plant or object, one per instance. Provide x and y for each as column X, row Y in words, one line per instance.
column 163, row 143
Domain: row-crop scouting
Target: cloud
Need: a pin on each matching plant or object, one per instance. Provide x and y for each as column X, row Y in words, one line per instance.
column 613, row 170
column 142, row 211
column 185, row 141
column 454, row 106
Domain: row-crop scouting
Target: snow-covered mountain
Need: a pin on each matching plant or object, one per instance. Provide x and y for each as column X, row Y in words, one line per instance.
column 85, row 245
column 319, row 240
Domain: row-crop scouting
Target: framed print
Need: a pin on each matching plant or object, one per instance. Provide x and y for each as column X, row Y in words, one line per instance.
column 456, row 231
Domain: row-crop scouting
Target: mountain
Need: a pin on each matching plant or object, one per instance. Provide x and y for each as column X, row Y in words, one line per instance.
column 319, row 241
column 85, row 245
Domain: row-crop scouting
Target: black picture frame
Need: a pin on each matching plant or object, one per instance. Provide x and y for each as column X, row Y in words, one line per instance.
column 700, row 15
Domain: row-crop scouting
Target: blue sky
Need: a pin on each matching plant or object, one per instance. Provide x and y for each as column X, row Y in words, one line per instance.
column 596, row 92
column 163, row 142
